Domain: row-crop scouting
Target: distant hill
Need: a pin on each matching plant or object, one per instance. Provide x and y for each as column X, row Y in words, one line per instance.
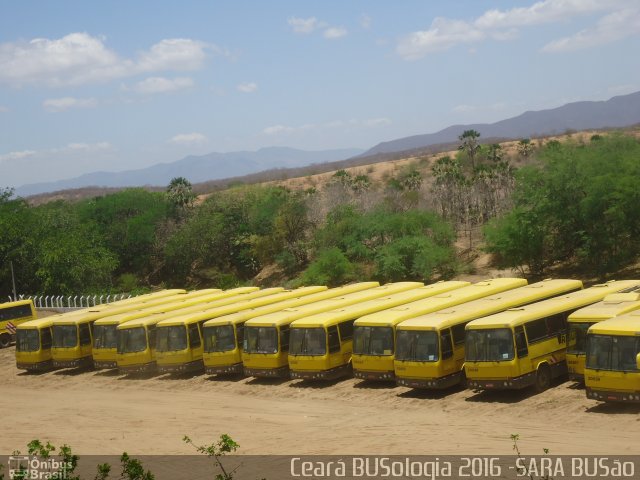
column 197, row 169
column 621, row 111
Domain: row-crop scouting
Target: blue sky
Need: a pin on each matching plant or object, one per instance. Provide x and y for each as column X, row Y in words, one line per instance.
column 88, row 86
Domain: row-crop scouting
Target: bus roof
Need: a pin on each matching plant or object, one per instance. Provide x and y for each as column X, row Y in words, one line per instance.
column 245, row 315
column 288, row 315
column 395, row 315
column 154, row 318
column 160, row 305
column 624, row 325
column 612, row 306
column 517, row 316
column 210, row 313
column 489, row 305
column 38, row 323
column 326, row 319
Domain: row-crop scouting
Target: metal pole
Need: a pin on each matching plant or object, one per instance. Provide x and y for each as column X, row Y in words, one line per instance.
column 13, row 281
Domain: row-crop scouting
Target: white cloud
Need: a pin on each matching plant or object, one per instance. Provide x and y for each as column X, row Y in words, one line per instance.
column 610, row 28
column 17, row 155
column 247, row 87
column 502, row 25
column 86, row 147
column 377, row 122
column 79, row 58
column 163, row 85
column 65, row 103
column 303, row 25
column 334, row 32
column 188, row 139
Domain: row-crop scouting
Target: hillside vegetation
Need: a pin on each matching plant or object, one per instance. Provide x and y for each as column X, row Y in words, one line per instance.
column 538, row 206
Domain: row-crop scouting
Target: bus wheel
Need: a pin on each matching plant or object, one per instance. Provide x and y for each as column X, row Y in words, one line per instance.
column 5, row 340
column 543, row 378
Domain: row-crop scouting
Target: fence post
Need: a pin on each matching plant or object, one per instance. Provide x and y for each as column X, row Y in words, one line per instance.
column 46, row 301
column 75, row 305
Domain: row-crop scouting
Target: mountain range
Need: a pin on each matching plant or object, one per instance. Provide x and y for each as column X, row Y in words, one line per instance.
column 617, row 112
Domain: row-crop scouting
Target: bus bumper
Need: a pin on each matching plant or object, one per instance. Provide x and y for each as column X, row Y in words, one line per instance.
column 84, row 362
column 332, row 374
column 431, row 383
column 515, row 383
column 235, row 369
column 103, row 364
column 195, row 366
column 609, row 396
column 379, row 376
column 36, row 367
column 280, row 372
column 138, row 368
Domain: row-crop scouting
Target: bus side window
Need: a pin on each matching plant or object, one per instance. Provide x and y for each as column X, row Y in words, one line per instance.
column 458, row 334
column 334, row 341
column 346, row 330
column 284, row 337
column 521, row 342
column 240, row 334
column 194, row 336
column 445, row 342
column 85, row 334
column 46, row 338
column 152, row 336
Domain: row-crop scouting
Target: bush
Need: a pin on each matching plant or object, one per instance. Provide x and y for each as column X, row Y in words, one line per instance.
column 331, row 268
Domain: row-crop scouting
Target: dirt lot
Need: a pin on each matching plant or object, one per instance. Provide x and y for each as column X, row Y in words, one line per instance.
column 105, row 413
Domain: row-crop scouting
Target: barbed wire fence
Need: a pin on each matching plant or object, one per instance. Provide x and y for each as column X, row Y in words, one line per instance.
column 70, row 302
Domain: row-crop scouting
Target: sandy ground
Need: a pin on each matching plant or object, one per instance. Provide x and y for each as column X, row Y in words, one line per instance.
column 105, row 413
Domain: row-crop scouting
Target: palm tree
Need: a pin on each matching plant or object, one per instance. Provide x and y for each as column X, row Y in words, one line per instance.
column 470, row 145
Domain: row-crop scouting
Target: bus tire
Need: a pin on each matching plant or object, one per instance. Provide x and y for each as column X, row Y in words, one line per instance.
column 5, row 340
column 543, row 378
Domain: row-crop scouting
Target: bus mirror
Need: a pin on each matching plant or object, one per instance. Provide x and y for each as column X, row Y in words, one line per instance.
column 638, row 361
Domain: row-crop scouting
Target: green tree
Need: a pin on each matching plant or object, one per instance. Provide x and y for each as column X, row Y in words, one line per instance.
column 180, row 194
column 470, row 145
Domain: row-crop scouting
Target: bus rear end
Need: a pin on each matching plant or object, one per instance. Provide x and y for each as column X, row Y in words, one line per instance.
column 13, row 314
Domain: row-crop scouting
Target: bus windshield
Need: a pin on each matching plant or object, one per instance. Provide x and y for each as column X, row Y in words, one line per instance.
column 131, row 340
column 417, row 346
column 104, row 336
column 219, row 339
column 261, row 340
column 28, row 340
column 307, row 341
column 373, row 341
column 611, row 352
column 489, row 345
column 577, row 339
column 65, row 336
column 171, row 339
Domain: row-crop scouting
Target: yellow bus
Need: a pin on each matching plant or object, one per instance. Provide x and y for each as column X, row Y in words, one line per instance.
column 179, row 341
column 136, row 339
column 527, row 345
column 265, row 346
column 374, row 334
column 105, row 329
column 320, row 345
column 612, row 369
column 223, row 336
column 13, row 314
column 73, row 332
column 430, row 348
column 33, row 345
column 579, row 322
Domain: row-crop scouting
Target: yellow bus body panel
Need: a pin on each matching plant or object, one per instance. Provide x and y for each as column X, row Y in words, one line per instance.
column 16, row 321
column 378, row 366
column 612, row 306
column 520, row 372
column 445, row 373
column 612, row 385
column 146, row 359
column 231, row 361
column 38, row 360
column 277, row 364
column 106, row 357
